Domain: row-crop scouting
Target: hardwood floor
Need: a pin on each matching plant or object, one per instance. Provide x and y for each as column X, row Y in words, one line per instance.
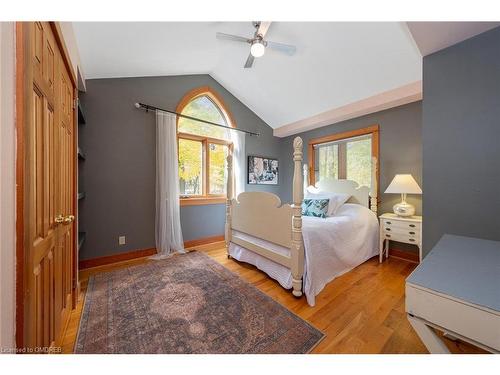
column 361, row 311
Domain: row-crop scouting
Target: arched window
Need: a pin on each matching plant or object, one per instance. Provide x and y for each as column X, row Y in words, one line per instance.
column 203, row 148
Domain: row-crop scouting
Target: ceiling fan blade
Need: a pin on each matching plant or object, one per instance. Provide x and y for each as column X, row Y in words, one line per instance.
column 249, row 62
column 234, row 38
column 285, row 48
column 263, row 28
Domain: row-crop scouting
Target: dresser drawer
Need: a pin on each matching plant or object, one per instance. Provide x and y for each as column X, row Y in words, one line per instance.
column 405, row 225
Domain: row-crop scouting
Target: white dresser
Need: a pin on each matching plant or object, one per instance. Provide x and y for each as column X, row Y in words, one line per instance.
column 401, row 229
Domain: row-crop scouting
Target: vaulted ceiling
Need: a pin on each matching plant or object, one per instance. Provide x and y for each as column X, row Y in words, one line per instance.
column 337, row 64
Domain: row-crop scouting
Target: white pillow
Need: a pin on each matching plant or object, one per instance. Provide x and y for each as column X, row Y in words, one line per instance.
column 336, row 200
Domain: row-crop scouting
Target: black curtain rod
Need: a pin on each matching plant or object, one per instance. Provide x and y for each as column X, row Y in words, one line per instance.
column 147, row 107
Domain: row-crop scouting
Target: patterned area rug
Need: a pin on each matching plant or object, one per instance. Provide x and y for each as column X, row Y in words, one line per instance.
column 186, row 304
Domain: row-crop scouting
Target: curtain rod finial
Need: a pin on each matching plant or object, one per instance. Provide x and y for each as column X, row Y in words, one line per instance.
column 137, row 105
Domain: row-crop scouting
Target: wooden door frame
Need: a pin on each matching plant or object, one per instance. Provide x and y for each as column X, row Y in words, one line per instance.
column 23, row 86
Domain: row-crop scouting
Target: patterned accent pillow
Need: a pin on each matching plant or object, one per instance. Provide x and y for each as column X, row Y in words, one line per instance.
column 336, row 199
column 315, row 207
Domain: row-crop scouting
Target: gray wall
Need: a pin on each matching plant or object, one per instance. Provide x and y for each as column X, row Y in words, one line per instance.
column 400, row 149
column 118, row 174
column 461, row 133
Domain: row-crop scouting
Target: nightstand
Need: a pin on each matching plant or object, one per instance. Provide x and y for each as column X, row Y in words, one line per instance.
column 401, row 229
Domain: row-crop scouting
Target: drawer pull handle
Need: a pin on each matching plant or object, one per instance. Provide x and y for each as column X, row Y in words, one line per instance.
column 388, row 222
column 388, row 229
column 412, row 232
column 411, row 239
column 412, row 225
column 387, row 235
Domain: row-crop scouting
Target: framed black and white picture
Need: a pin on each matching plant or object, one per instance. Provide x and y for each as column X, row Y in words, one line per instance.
column 262, row 171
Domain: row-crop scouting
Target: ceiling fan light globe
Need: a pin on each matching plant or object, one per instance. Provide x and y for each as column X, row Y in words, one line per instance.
column 257, row 49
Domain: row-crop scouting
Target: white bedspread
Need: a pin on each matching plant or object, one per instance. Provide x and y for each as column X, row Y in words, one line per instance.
column 333, row 246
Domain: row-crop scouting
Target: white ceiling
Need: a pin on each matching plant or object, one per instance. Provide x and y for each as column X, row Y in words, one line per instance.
column 336, row 63
column 431, row 37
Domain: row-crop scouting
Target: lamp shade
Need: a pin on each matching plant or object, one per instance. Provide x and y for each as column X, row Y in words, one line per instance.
column 403, row 184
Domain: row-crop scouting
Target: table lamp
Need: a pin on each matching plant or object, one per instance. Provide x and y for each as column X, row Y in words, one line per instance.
column 403, row 184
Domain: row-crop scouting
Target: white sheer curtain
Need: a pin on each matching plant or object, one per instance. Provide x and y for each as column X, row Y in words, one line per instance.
column 238, row 139
column 168, row 221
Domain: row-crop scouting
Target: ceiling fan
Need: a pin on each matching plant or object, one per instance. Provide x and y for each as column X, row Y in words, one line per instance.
column 257, row 43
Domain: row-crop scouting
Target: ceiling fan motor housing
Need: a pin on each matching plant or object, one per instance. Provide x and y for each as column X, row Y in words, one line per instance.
column 257, row 44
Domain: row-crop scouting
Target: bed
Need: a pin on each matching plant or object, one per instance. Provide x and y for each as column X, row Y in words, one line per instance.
column 302, row 253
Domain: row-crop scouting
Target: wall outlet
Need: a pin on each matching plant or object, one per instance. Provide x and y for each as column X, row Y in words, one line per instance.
column 121, row 240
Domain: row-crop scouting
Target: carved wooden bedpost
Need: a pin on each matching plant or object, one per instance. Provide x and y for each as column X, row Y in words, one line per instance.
column 374, row 188
column 230, row 193
column 306, row 177
column 297, row 250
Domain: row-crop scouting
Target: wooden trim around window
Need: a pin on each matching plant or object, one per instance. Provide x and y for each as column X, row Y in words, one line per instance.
column 200, row 138
column 206, row 198
column 345, row 135
column 373, row 130
column 202, row 200
column 212, row 94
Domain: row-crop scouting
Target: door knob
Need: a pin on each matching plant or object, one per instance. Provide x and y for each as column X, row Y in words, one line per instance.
column 69, row 219
column 59, row 219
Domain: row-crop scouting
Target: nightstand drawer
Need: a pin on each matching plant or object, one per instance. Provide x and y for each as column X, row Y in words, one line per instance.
column 405, row 225
column 401, row 231
column 401, row 237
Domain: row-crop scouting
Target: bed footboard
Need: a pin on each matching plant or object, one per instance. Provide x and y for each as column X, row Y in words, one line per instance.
column 261, row 214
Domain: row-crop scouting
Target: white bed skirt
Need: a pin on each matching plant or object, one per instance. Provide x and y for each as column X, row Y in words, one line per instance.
column 280, row 273
column 333, row 246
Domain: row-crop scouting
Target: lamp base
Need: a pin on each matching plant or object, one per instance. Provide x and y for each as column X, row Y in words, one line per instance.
column 404, row 209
